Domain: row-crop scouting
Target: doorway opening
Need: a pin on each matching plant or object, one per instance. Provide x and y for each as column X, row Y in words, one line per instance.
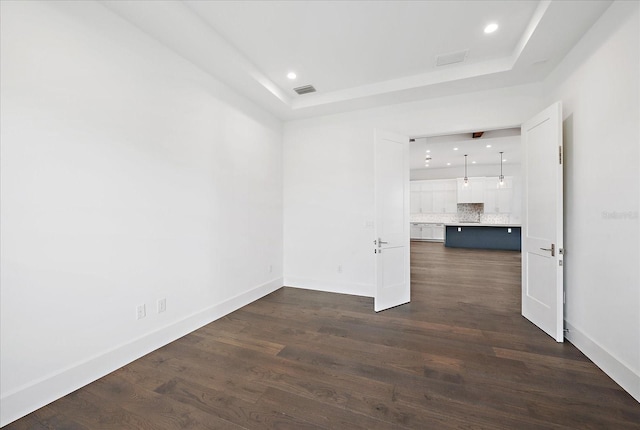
column 466, row 178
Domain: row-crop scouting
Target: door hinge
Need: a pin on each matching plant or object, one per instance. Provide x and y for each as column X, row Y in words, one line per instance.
column 560, row 263
column 564, row 296
column 560, row 153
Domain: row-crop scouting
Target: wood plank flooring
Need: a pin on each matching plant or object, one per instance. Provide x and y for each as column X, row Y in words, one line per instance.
column 459, row 356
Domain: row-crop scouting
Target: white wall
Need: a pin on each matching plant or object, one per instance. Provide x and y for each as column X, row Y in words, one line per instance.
column 598, row 83
column 128, row 175
column 328, row 179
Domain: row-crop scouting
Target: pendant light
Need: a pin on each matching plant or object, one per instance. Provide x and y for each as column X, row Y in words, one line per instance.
column 466, row 179
column 501, row 177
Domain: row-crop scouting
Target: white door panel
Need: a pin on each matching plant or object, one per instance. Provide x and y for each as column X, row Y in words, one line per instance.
column 391, row 242
column 542, row 235
column 537, row 285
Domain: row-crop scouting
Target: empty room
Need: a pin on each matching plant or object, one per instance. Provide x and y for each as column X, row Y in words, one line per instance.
column 319, row 214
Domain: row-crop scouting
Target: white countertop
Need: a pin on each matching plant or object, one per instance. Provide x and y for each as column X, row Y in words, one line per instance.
column 477, row 224
column 466, row 224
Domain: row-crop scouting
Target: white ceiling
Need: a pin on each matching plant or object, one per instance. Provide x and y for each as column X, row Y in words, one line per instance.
column 444, row 155
column 341, row 45
column 361, row 54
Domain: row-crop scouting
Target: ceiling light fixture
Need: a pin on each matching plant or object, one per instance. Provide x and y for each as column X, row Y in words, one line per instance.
column 455, row 149
column 488, row 146
column 501, row 177
column 466, row 179
column 491, row 28
column 292, row 75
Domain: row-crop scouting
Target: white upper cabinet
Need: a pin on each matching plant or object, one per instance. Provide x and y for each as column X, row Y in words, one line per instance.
column 434, row 197
column 473, row 192
column 442, row 196
column 426, row 197
column 445, row 196
column 498, row 200
column 416, row 198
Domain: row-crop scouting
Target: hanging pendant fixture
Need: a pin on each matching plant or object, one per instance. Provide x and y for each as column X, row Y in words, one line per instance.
column 501, row 177
column 427, row 159
column 466, row 179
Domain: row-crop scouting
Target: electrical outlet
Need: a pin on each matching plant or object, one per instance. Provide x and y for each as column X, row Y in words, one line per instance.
column 340, row 269
column 270, row 268
column 162, row 305
column 141, row 312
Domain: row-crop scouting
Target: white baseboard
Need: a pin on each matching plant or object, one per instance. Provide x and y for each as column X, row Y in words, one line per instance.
column 353, row 289
column 27, row 399
column 618, row 371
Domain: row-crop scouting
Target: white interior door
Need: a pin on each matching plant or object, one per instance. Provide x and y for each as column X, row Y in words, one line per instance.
column 542, row 244
column 391, row 242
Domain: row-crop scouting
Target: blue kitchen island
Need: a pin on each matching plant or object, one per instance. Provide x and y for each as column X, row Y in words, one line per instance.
column 483, row 236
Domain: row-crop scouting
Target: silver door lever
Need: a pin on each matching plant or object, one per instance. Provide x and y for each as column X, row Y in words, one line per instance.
column 552, row 249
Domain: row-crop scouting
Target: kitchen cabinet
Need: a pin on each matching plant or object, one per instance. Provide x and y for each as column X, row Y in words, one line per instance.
column 426, row 197
column 427, row 231
column 473, row 192
column 433, row 196
column 415, row 202
column 445, row 196
column 438, row 232
column 416, row 231
column 498, row 200
column 484, row 237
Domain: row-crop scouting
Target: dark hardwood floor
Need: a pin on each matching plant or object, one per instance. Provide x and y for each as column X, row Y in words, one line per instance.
column 459, row 356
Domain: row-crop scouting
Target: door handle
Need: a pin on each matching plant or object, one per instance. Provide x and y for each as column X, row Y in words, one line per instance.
column 552, row 249
column 380, row 242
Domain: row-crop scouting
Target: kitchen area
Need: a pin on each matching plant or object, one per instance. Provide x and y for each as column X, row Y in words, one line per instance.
column 449, row 205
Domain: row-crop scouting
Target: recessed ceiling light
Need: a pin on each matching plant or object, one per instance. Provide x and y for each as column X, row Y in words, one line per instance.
column 473, row 162
column 291, row 75
column 488, row 146
column 491, row 28
column 448, row 164
column 428, row 150
column 455, row 149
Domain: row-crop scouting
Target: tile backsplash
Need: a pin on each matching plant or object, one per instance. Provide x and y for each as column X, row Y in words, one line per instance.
column 470, row 212
column 495, row 219
column 445, row 218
